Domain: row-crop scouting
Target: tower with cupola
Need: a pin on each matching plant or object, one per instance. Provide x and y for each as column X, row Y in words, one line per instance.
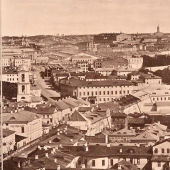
column 23, row 93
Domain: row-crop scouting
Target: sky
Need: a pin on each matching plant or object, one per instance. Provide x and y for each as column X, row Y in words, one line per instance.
column 50, row 17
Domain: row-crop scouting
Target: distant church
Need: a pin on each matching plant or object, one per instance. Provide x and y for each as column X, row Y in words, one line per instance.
column 24, row 41
column 158, row 34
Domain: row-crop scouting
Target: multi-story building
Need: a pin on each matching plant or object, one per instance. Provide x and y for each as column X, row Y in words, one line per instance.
column 9, row 76
column 95, row 91
column 97, row 64
column 24, row 123
column 135, row 62
column 84, row 65
column 83, row 57
column 158, row 93
column 104, row 71
column 104, row 157
column 6, row 61
column 24, row 60
column 161, row 155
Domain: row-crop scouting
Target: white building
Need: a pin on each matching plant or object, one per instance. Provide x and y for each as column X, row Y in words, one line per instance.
column 161, row 155
column 135, row 62
column 24, row 123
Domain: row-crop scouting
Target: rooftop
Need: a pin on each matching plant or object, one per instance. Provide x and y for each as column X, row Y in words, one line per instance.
column 7, row 132
column 22, row 116
column 82, row 83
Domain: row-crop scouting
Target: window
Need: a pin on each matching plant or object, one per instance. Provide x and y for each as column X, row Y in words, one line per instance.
column 120, row 92
column 100, row 93
column 93, row 162
column 22, row 129
column 159, row 164
column 103, row 92
column 79, row 93
column 23, row 88
column 108, row 92
column 153, row 98
column 111, row 92
column 168, row 150
column 96, row 93
column 88, row 93
column 115, row 92
column 111, row 162
column 23, row 77
column 156, row 150
column 163, row 150
column 138, row 161
column 103, row 162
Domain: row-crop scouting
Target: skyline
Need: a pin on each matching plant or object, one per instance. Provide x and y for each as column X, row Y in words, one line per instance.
column 50, row 17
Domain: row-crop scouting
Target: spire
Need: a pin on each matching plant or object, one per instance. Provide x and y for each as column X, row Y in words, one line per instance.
column 158, row 29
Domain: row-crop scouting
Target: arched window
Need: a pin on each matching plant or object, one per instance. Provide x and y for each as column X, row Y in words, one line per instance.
column 23, row 89
column 23, row 77
column 22, row 97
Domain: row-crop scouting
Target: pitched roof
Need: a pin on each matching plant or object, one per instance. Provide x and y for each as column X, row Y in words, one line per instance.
column 98, row 151
column 7, row 132
column 76, row 116
column 19, row 117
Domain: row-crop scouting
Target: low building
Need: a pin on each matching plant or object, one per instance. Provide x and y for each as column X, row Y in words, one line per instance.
column 92, row 122
column 8, row 141
column 41, row 60
column 121, row 136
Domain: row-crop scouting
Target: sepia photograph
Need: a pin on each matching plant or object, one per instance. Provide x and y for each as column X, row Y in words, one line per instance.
column 85, row 85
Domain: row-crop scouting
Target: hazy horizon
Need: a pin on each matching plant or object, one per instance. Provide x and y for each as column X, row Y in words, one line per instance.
column 50, row 17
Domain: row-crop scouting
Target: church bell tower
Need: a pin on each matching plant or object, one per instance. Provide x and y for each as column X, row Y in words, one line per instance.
column 23, row 93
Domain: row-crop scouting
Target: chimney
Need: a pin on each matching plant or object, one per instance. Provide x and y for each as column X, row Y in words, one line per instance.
column 49, row 141
column 39, row 147
column 36, row 157
column 58, row 167
column 45, row 147
column 120, row 150
column 11, row 112
column 19, row 165
column 46, row 155
column 108, row 145
column 87, row 148
column 71, row 140
column 55, row 160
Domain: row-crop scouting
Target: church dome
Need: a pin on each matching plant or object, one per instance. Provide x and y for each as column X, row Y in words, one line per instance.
column 23, row 68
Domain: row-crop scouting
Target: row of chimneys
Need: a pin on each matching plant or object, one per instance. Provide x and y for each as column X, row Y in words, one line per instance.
column 17, row 110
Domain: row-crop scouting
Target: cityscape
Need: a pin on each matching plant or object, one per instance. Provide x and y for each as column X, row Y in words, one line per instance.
column 84, row 100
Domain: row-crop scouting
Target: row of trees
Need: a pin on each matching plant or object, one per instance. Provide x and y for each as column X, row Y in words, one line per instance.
column 159, row 60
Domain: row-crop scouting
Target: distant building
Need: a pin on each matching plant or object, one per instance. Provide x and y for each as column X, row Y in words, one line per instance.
column 95, row 91
column 135, row 62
